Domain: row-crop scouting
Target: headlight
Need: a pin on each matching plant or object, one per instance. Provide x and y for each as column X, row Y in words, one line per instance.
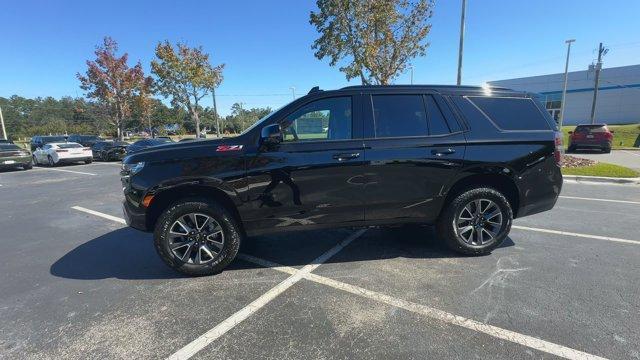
column 133, row 168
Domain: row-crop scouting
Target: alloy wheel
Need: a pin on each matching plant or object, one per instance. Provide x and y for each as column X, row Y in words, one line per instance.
column 196, row 238
column 479, row 222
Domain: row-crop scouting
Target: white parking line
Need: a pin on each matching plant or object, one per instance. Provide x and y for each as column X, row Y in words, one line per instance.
column 566, row 233
column 63, row 170
column 494, row 331
column 596, row 199
column 102, row 215
column 207, row 338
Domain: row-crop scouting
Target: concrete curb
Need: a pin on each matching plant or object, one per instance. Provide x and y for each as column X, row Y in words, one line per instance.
column 602, row 179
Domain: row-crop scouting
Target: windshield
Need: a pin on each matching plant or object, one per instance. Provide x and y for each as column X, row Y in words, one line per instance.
column 9, row 147
column 69, row 146
column 260, row 121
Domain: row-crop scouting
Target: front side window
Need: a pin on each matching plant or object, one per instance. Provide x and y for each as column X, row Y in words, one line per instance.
column 324, row 119
column 399, row 115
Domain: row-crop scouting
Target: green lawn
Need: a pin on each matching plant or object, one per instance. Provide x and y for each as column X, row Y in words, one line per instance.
column 624, row 136
column 601, row 169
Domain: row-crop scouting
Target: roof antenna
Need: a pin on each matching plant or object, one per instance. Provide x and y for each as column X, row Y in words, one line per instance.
column 314, row 89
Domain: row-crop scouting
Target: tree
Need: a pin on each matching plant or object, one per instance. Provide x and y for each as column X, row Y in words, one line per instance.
column 110, row 80
column 185, row 75
column 144, row 103
column 376, row 38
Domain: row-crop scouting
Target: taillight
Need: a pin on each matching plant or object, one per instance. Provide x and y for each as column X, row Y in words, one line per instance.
column 557, row 153
column 61, row 150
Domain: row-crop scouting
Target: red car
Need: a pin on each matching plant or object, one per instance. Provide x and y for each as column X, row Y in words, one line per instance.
column 591, row 136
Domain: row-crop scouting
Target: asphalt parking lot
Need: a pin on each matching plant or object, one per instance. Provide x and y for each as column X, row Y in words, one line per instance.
column 76, row 283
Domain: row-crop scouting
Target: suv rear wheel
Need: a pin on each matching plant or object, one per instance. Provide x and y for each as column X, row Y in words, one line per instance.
column 476, row 221
column 197, row 237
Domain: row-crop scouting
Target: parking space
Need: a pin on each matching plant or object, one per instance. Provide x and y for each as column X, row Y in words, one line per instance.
column 75, row 281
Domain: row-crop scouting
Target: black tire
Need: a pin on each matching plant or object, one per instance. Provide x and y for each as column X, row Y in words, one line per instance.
column 27, row 166
column 571, row 149
column 88, row 161
column 448, row 231
column 606, row 150
column 230, row 229
column 50, row 161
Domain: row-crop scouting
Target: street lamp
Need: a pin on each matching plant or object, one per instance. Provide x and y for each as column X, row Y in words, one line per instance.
column 4, row 131
column 566, row 79
column 460, row 49
column 411, row 68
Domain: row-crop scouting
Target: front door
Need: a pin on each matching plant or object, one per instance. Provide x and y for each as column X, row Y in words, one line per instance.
column 314, row 177
column 412, row 151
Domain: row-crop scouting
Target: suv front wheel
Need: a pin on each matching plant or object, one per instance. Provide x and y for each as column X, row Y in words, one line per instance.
column 476, row 221
column 197, row 237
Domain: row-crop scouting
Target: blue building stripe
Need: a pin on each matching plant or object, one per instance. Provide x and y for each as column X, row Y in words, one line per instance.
column 591, row 89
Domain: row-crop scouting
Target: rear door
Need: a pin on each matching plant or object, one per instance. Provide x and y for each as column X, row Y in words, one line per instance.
column 314, row 176
column 412, row 149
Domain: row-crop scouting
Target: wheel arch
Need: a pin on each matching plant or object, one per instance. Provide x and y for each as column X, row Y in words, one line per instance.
column 496, row 180
column 165, row 197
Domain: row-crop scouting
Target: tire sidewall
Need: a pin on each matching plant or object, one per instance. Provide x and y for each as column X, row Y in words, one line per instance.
column 448, row 222
column 232, row 237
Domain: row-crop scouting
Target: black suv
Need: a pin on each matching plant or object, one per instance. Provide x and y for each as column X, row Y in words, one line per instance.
column 467, row 159
column 84, row 140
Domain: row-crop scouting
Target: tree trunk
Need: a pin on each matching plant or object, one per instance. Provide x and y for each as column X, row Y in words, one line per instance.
column 196, row 118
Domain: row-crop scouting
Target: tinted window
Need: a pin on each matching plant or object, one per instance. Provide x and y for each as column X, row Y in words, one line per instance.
column 399, row 115
column 512, row 113
column 437, row 123
column 324, row 119
column 591, row 129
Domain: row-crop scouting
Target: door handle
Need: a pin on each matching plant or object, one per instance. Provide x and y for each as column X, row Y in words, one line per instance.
column 346, row 156
column 442, row 152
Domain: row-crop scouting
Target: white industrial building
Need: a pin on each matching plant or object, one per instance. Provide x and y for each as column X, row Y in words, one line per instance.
column 618, row 94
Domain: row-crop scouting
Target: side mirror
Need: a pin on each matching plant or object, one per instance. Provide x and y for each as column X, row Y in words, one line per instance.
column 271, row 135
column 570, row 132
column 611, row 131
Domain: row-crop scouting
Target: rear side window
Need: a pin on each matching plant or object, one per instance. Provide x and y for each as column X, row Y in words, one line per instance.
column 512, row 113
column 591, row 129
column 437, row 123
column 399, row 115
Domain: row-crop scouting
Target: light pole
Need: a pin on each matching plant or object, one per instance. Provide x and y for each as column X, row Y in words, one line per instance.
column 215, row 111
column 601, row 52
column 4, row 131
column 461, row 48
column 566, row 79
column 411, row 68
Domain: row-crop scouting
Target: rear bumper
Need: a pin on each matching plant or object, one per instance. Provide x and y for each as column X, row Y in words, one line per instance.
column 591, row 145
column 74, row 159
column 14, row 161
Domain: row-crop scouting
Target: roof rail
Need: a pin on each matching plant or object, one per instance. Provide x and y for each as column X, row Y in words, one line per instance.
column 314, row 89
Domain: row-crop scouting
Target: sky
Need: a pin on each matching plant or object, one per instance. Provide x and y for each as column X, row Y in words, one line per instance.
column 266, row 45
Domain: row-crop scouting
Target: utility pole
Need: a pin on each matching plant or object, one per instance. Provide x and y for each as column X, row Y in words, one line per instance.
column 215, row 111
column 601, row 52
column 566, row 79
column 4, row 131
column 461, row 48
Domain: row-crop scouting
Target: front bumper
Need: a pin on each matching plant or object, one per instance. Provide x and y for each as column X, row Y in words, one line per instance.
column 133, row 216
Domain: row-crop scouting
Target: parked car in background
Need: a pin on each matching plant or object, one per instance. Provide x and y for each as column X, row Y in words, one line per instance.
column 84, row 140
column 39, row 141
column 109, row 150
column 13, row 156
column 3, row 141
column 591, row 136
column 146, row 143
column 465, row 159
column 53, row 154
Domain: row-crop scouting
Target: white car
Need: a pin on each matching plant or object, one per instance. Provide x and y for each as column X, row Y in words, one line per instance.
column 53, row 154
